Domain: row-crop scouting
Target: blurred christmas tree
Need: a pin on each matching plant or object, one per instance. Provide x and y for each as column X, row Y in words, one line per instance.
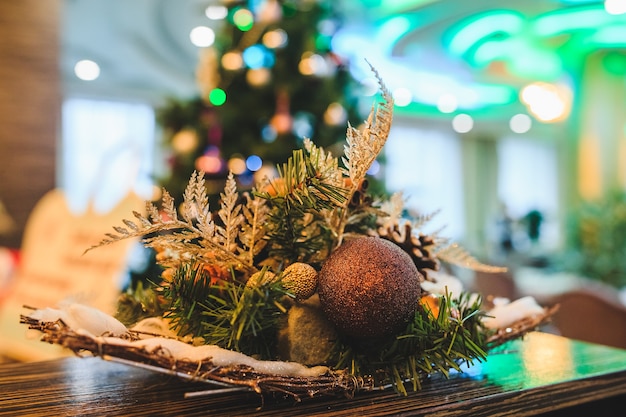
column 269, row 80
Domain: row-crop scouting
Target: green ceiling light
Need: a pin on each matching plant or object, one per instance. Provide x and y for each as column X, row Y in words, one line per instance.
column 574, row 19
column 391, row 7
column 495, row 94
column 522, row 57
column 615, row 63
column 392, row 30
column 532, row 61
column 491, row 51
column 480, row 27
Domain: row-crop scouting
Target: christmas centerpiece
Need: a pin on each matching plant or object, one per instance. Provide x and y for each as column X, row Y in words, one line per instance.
column 305, row 286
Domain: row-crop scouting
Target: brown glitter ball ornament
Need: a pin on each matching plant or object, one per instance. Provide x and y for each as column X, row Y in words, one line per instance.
column 369, row 288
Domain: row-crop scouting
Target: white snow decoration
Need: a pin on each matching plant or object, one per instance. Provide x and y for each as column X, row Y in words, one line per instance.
column 93, row 323
column 81, row 317
column 504, row 315
column 443, row 282
column 49, row 315
column 500, row 301
column 154, row 325
column 224, row 357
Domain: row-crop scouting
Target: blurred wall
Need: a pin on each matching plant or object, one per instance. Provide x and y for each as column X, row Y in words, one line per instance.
column 30, row 106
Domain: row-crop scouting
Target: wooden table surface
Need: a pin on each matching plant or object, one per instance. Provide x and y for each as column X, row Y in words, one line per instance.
column 538, row 374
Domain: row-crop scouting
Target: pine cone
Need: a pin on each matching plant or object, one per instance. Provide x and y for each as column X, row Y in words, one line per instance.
column 420, row 247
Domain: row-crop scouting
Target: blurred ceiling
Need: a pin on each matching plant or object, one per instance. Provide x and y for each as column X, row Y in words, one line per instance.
column 481, row 51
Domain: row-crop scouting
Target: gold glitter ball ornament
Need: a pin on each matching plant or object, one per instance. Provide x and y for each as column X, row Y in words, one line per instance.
column 369, row 288
column 300, row 279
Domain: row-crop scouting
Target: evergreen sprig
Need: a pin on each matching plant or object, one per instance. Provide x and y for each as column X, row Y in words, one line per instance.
column 225, row 313
column 298, row 228
column 428, row 344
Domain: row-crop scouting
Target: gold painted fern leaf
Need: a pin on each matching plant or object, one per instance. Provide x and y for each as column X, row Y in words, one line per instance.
column 456, row 255
column 230, row 214
column 364, row 146
column 253, row 229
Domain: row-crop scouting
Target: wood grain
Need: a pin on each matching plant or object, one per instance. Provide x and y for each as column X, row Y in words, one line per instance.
column 574, row 375
column 30, row 103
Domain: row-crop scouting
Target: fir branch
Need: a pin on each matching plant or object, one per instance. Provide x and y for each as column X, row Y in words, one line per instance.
column 325, row 164
column 225, row 313
column 299, row 199
column 427, row 345
column 137, row 304
column 245, row 318
column 456, row 255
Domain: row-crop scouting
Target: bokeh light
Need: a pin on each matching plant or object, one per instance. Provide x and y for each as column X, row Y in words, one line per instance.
column 615, row 7
column 447, row 103
column 254, row 163
column 547, row 102
column 275, row 39
column 243, row 19
column 258, row 77
column 87, row 70
column 335, row 114
column 185, row 141
column 217, row 97
column 462, row 123
column 202, row 36
column 269, row 134
column 313, row 64
column 216, row 12
column 237, row 165
column 209, row 163
column 232, row 61
column 258, row 56
column 520, row 123
column 374, row 168
column 402, row 96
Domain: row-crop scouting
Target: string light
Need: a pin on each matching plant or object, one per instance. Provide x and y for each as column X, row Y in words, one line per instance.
column 185, row 141
column 217, row 97
column 312, row 64
column 258, row 77
column 275, row 39
column 232, row 61
column 210, row 162
column 243, row 19
column 237, row 165
column 254, row 163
